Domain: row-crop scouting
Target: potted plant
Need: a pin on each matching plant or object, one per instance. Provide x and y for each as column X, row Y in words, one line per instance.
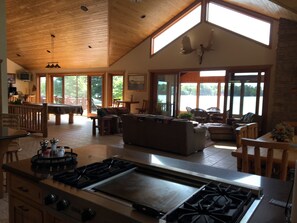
column 186, row 115
column 283, row 132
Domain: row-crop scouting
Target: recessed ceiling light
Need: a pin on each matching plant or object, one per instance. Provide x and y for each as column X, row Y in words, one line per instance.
column 84, row 8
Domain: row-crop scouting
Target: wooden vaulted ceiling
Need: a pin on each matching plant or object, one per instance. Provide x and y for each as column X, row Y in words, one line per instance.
column 101, row 35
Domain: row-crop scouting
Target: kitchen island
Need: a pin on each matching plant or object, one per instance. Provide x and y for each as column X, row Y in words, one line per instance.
column 32, row 192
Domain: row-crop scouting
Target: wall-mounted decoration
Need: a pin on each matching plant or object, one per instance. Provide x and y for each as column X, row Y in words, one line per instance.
column 11, row 78
column 136, row 82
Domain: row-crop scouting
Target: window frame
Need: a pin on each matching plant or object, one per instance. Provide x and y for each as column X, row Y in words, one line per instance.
column 172, row 22
column 243, row 11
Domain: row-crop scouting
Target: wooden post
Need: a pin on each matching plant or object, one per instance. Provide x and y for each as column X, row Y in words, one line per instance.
column 1, row 110
column 44, row 119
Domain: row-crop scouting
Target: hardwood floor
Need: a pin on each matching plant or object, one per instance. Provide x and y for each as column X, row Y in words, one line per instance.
column 80, row 134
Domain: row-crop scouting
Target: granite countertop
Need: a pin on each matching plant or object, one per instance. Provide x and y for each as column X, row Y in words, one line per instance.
column 272, row 188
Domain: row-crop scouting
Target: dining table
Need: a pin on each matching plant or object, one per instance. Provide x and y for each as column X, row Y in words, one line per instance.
column 127, row 103
column 6, row 136
column 277, row 156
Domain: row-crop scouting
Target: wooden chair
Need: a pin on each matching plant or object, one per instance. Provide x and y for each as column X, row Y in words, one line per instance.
column 252, row 130
column 264, row 153
column 189, row 109
column 245, row 131
column 200, row 115
column 116, row 103
column 11, row 121
column 144, row 107
column 241, row 132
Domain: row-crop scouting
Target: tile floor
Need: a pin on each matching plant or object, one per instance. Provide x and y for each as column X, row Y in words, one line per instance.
column 80, row 134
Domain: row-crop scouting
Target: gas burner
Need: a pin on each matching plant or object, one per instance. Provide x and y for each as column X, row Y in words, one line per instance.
column 87, row 175
column 215, row 203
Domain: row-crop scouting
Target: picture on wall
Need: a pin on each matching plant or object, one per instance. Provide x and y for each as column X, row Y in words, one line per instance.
column 11, row 78
column 136, row 82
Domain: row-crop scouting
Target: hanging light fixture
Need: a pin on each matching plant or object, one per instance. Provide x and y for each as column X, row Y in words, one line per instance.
column 53, row 64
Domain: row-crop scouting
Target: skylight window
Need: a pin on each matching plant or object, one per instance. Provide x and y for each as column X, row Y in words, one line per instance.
column 213, row 73
column 240, row 23
column 180, row 26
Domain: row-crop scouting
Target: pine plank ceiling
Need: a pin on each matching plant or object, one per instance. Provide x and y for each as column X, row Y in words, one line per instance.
column 101, row 35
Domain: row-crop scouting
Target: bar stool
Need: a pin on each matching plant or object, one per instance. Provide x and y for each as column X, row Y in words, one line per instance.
column 105, row 125
column 95, row 122
column 11, row 121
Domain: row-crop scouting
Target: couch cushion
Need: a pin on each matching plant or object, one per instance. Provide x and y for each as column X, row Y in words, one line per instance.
column 248, row 117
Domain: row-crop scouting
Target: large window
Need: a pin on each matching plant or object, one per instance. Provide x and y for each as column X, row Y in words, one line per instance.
column 96, row 83
column 58, row 94
column 202, row 89
column 42, row 89
column 245, row 93
column 180, row 26
column 75, row 90
column 188, row 96
column 245, row 25
column 210, row 93
column 85, row 90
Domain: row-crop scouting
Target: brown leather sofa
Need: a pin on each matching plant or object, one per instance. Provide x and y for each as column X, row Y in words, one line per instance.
column 226, row 131
column 163, row 133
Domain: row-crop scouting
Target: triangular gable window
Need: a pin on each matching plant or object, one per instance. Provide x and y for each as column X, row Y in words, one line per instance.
column 243, row 24
column 187, row 21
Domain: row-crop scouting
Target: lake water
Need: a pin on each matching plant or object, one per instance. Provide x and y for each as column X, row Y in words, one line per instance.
column 211, row 101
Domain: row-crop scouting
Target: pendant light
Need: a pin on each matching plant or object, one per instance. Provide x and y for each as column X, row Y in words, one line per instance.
column 53, row 64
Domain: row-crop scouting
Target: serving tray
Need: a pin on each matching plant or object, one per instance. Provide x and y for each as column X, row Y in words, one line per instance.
column 52, row 161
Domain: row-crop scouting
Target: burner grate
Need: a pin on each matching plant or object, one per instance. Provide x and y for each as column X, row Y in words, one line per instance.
column 215, row 203
column 87, row 175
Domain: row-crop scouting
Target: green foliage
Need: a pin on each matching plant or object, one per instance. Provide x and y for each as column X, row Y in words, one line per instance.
column 185, row 115
column 117, row 84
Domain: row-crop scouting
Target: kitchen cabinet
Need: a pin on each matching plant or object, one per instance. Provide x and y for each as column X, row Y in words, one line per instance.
column 23, row 212
column 53, row 219
column 25, row 200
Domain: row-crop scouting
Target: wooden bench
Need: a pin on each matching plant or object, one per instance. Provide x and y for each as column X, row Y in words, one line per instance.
column 33, row 117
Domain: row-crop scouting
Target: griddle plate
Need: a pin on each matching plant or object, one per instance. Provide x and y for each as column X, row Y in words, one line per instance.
column 138, row 188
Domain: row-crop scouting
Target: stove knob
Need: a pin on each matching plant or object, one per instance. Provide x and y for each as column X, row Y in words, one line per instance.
column 50, row 199
column 87, row 214
column 62, row 205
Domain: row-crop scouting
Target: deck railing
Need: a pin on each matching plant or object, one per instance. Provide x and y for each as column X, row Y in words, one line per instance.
column 33, row 117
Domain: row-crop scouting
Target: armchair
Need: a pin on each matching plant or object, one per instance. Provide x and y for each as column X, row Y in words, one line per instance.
column 226, row 131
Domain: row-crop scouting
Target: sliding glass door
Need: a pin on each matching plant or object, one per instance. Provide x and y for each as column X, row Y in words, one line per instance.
column 75, row 90
column 96, row 93
column 58, row 94
column 245, row 93
column 165, row 98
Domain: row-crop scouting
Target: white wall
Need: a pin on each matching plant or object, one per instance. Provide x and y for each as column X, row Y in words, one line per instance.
column 24, row 87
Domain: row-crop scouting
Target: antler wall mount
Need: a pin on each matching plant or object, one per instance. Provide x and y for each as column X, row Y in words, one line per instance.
column 187, row 47
column 208, row 48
